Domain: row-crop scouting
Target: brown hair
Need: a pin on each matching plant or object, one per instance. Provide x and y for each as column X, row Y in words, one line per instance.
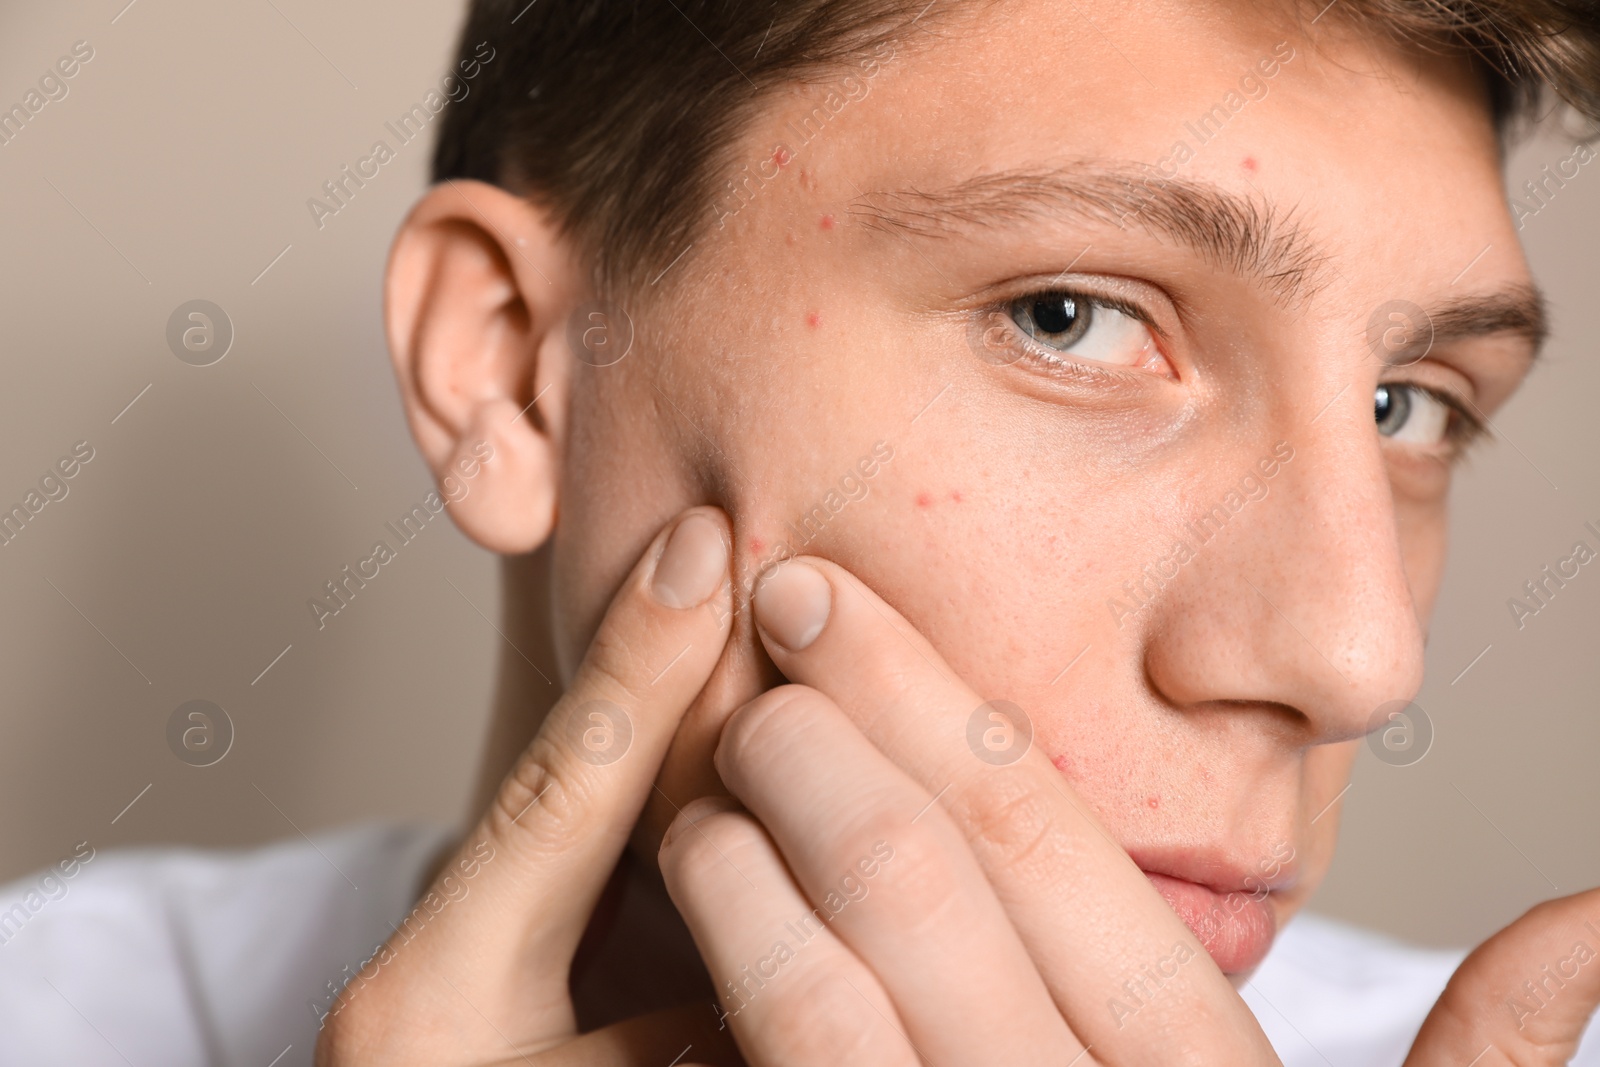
column 612, row 113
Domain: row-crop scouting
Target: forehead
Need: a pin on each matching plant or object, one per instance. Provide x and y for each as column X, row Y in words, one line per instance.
column 1379, row 152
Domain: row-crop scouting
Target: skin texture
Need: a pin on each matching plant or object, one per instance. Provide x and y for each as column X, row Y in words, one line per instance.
column 1216, row 723
column 1204, row 726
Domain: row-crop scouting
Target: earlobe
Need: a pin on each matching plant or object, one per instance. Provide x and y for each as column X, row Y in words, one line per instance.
column 505, row 477
column 476, row 299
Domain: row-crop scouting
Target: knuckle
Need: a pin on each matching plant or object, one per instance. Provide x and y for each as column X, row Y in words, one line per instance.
column 921, row 880
column 1014, row 829
column 539, row 805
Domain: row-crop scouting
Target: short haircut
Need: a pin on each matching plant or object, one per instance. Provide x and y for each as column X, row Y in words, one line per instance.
column 616, row 115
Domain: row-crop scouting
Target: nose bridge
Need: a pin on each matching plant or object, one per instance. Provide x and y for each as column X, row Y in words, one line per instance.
column 1304, row 600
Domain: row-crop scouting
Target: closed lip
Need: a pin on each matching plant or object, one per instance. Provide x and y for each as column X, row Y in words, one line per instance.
column 1224, row 904
column 1214, row 870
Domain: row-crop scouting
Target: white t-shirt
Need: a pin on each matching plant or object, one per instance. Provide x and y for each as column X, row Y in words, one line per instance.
column 184, row 958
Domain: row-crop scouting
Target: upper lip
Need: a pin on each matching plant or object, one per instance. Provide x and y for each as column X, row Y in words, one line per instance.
column 1220, row 871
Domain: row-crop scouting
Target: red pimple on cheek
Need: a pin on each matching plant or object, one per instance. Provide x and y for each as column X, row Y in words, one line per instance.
column 756, row 546
column 1153, row 802
column 924, row 500
column 1063, row 764
column 827, row 222
column 780, row 156
column 955, row 494
column 814, row 319
column 1249, row 164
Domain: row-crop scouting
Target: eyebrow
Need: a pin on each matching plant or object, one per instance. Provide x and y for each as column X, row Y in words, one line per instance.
column 1518, row 309
column 1247, row 236
column 1229, row 231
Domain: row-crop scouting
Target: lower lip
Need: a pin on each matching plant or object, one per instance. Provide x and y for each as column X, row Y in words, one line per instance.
column 1235, row 928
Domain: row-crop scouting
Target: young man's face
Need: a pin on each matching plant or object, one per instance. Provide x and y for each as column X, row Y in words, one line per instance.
column 1185, row 546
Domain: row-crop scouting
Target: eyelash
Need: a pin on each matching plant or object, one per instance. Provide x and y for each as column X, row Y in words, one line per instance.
column 1464, row 429
column 1062, row 364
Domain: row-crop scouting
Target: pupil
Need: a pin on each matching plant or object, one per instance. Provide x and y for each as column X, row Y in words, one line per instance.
column 1391, row 406
column 1055, row 314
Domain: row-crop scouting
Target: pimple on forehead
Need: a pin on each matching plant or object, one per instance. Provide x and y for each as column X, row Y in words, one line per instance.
column 781, row 156
column 813, row 319
column 1249, row 164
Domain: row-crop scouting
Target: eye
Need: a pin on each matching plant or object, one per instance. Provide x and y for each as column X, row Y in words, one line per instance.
column 1412, row 415
column 1062, row 323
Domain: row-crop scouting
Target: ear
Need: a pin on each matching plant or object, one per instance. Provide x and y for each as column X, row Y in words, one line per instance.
column 477, row 294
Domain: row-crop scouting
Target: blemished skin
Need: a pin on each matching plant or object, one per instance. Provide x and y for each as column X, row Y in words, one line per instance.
column 839, row 368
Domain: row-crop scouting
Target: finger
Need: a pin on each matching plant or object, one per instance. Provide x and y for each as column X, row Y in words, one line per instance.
column 894, row 879
column 792, row 993
column 1522, row 997
column 563, row 815
column 687, row 1036
column 1127, row 973
column 498, row 930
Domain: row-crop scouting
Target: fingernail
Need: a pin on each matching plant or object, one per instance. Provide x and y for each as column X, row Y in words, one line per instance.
column 693, row 565
column 694, row 811
column 792, row 604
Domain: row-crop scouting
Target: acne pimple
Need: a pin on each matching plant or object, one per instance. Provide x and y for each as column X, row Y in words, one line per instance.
column 780, row 156
column 955, row 494
column 827, row 222
column 813, row 319
column 1249, row 164
column 1062, row 764
column 756, row 546
column 1153, row 802
column 924, row 500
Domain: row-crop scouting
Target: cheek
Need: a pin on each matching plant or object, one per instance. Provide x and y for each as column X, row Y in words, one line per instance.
column 1424, row 540
column 1327, row 772
column 622, row 480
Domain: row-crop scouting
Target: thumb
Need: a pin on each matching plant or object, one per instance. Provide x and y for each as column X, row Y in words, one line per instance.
column 1522, row 997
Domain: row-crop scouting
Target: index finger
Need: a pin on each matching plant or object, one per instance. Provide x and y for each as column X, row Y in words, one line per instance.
column 1126, row 972
column 513, row 903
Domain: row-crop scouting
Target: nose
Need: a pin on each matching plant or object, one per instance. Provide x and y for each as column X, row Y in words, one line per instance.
column 1299, row 598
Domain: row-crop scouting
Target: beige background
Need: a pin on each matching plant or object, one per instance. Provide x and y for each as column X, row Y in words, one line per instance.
column 179, row 565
